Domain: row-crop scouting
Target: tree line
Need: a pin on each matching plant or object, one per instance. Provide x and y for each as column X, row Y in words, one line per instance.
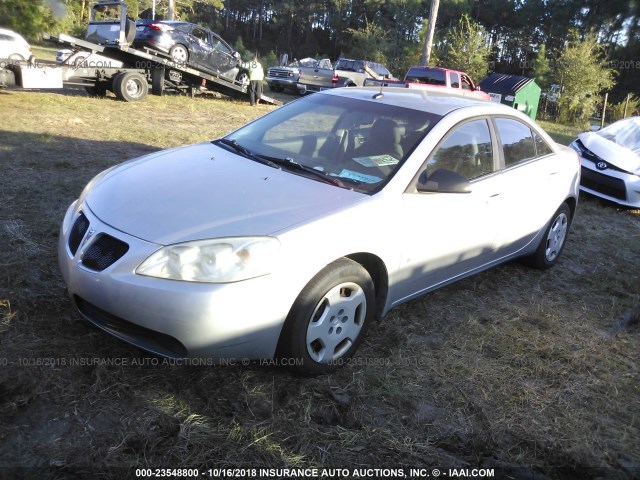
column 541, row 38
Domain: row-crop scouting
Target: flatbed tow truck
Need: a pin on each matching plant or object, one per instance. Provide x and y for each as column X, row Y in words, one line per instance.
column 127, row 72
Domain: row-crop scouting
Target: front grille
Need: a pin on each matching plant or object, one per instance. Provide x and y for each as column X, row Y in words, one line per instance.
column 103, row 252
column 598, row 182
column 275, row 73
column 142, row 337
column 78, row 230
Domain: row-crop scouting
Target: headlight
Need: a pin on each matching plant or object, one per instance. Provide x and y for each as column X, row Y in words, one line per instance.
column 220, row 260
column 576, row 147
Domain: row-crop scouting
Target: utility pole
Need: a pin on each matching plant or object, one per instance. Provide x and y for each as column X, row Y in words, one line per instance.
column 428, row 40
column 172, row 7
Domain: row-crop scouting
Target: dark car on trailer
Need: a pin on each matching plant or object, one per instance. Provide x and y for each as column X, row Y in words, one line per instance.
column 191, row 45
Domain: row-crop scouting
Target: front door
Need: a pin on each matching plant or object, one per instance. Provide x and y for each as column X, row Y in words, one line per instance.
column 445, row 235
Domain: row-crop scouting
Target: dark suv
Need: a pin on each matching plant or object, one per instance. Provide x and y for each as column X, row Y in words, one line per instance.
column 191, row 45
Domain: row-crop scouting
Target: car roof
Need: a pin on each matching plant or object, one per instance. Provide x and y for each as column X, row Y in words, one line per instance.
column 178, row 22
column 426, row 67
column 6, row 31
column 440, row 103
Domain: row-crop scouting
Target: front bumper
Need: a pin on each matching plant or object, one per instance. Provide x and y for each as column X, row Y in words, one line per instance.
column 613, row 185
column 170, row 318
column 291, row 84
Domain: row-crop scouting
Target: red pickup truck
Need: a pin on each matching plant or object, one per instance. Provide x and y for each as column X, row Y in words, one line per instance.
column 438, row 79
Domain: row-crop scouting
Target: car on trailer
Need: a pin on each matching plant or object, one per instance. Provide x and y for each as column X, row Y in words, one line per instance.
column 191, row 45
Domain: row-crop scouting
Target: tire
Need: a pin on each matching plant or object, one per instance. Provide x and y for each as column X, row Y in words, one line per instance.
column 16, row 57
column 243, row 78
column 130, row 86
column 99, row 90
column 179, row 54
column 157, row 81
column 553, row 241
column 329, row 318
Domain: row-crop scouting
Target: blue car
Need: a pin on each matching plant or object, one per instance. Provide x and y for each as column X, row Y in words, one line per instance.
column 191, row 45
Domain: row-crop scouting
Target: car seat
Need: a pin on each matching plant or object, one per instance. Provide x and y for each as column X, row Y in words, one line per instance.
column 384, row 139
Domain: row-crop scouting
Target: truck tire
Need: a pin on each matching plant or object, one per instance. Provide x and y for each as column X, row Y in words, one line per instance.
column 130, row 86
column 98, row 90
column 157, row 81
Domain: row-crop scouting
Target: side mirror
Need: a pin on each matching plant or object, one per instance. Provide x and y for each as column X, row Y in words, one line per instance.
column 237, row 56
column 443, row 181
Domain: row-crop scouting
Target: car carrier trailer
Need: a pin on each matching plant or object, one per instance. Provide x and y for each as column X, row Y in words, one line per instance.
column 127, row 72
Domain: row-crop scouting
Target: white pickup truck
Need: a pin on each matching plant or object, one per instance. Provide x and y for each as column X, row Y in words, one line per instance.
column 346, row 73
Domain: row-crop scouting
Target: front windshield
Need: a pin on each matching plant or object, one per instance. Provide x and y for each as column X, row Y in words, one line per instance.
column 625, row 133
column 362, row 143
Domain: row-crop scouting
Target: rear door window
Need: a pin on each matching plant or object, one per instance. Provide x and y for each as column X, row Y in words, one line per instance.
column 517, row 141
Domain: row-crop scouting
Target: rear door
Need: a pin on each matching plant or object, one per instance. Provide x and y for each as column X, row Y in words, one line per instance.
column 200, row 48
column 527, row 199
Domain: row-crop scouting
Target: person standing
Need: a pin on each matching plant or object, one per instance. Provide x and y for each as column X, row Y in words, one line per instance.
column 256, row 76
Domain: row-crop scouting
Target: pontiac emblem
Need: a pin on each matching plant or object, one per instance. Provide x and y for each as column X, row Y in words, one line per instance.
column 88, row 236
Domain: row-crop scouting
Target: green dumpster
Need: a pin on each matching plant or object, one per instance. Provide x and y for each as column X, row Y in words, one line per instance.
column 521, row 93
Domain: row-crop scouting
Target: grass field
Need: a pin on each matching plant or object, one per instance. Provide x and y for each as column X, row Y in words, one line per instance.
column 532, row 373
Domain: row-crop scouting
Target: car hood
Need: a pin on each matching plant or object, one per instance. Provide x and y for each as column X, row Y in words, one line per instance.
column 611, row 152
column 202, row 191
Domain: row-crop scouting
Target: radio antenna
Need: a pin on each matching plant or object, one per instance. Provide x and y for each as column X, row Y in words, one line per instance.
column 379, row 94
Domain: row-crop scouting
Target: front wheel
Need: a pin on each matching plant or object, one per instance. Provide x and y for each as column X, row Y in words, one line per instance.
column 329, row 318
column 243, row 79
column 553, row 241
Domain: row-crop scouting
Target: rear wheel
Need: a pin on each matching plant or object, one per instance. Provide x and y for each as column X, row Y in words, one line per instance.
column 329, row 318
column 553, row 241
column 179, row 54
column 130, row 86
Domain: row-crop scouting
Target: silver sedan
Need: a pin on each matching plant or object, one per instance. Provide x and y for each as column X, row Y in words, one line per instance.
column 288, row 237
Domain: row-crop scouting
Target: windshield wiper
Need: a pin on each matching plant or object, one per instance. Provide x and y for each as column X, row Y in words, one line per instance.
column 292, row 165
column 280, row 163
column 236, row 147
